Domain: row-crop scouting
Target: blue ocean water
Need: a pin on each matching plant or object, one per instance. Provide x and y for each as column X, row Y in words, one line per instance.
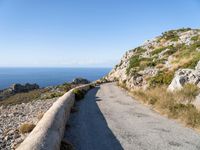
column 48, row 76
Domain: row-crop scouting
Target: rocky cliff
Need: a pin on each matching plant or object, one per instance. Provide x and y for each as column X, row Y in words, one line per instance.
column 170, row 59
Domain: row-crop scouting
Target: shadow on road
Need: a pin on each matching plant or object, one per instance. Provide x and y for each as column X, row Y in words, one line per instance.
column 88, row 127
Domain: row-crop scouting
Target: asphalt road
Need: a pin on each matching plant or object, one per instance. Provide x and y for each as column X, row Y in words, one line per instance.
column 109, row 119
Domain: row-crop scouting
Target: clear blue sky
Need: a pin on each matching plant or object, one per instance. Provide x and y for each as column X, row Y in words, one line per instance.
column 85, row 33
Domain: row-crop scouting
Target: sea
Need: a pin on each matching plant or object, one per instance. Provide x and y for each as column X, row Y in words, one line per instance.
column 48, row 76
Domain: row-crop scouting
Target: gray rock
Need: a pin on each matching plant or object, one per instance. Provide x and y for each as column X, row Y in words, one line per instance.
column 119, row 73
column 18, row 88
column 197, row 68
column 80, row 81
column 183, row 76
column 11, row 117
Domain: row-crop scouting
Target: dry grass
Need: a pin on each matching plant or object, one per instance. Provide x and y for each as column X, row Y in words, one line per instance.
column 26, row 128
column 23, row 97
column 178, row 63
column 176, row 105
column 40, row 115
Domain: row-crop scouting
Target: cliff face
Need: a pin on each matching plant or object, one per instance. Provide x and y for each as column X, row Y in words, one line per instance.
column 169, row 59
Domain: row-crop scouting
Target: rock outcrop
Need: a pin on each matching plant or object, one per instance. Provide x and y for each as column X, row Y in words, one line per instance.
column 80, row 81
column 17, row 88
column 184, row 76
column 174, row 54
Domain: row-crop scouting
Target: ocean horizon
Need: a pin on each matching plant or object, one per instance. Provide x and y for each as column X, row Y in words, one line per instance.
column 47, row 76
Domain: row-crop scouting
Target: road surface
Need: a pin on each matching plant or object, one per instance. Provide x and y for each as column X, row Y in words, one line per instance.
column 109, row 119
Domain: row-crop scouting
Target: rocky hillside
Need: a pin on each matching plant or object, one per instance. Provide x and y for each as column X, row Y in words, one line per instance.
column 22, row 106
column 170, row 59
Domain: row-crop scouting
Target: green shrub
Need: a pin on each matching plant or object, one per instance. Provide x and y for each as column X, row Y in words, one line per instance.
column 195, row 38
column 157, row 51
column 136, row 64
column 171, row 50
column 140, row 50
column 79, row 94
column 65, row 87
column 171, row 35
column 184, row 29
column 161, row 79
column 146, row 62
column 50, row 95
column 134, row 61
column 56, row 94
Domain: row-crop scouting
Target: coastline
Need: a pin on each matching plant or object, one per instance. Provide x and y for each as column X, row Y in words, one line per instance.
column 47, row 76
column 26, row 109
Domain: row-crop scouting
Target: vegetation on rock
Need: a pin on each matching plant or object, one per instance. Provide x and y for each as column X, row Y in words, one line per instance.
column 149, row 70
column 157, row 60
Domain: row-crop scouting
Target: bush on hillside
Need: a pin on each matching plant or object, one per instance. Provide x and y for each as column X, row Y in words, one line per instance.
column 161, row 78
column 79, row 94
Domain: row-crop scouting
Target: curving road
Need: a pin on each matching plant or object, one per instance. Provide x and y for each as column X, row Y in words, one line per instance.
column 109, row 119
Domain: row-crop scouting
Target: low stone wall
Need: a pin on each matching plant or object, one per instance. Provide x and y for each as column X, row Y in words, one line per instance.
column 49, row 131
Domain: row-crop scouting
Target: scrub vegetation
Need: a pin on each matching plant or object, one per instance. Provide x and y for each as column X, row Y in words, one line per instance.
column 176, row 105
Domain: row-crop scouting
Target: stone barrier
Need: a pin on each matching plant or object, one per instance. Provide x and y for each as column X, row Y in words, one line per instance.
column 49, row 131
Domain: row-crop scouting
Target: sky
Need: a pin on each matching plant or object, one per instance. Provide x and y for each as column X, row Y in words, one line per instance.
column 85, row 33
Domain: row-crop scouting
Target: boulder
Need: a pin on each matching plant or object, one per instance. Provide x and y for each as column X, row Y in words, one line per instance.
column 80, row 81
column 183, row 76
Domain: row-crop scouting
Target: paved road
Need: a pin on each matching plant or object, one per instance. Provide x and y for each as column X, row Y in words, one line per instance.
column 109, row 119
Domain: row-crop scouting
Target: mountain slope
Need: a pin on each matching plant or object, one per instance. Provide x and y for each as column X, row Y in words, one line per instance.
column 157, row 61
